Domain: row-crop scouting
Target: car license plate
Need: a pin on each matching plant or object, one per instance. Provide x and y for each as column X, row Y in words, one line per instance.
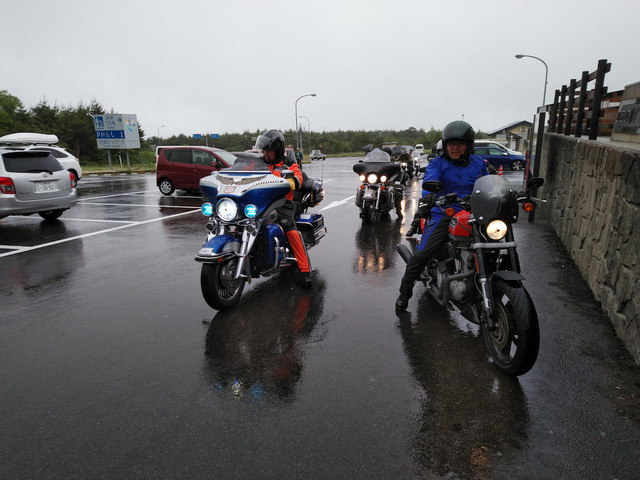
column 45, row 187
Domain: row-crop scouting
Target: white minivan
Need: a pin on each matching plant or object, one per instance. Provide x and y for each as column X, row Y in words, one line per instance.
column 419, row 148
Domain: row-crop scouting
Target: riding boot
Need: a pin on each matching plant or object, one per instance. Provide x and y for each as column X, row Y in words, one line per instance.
column 406, row 291
column 297, row 245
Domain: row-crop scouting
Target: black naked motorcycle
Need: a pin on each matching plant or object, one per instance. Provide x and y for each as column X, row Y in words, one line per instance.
column 477, row 272
column 380, row 190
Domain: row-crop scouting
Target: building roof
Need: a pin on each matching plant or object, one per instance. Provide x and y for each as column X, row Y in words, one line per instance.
column 510, row 126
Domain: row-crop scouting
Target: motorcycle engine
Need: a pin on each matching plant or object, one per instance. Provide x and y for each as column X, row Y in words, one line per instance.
column 458, row 288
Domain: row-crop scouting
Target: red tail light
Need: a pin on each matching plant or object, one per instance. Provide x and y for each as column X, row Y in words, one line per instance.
column 7, row 186
column 72, row 180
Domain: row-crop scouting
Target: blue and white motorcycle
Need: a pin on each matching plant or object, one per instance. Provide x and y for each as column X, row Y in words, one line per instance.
column 244, row 240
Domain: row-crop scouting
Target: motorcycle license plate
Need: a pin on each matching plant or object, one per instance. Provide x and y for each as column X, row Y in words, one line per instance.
column 45, row 187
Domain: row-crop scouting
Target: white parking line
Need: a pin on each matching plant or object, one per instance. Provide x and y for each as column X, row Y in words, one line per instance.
column 136, row 205
column 82, row 199
column 99, row 232
column 338, row 203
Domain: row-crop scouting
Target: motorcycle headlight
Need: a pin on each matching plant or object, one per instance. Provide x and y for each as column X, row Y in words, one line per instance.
column 362, row 178
column 383, row 178
column 372, row 178
column 227, row 209
column 496, row 229
column 404, row 164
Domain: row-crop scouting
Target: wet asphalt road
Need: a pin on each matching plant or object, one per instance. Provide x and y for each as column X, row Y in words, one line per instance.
column 113, row 366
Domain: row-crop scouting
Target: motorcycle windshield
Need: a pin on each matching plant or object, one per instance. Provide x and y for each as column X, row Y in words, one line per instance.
column 247, row 162
column 493, row 198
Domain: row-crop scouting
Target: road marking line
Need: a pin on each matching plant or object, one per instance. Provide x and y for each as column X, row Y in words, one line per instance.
column 136, row 205
column 116, row 195
column 99, row 232
column 338, row 203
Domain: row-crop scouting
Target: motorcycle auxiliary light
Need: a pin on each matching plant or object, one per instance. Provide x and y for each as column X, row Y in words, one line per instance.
column 496, row 229
column 207, row 209
column 362, row 178
column 383, row 178
column 250, row 211
column 372, row 178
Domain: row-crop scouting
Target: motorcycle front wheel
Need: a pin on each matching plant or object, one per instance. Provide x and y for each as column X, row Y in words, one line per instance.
column 369, row 212
column 514, row 343
column 219, row 288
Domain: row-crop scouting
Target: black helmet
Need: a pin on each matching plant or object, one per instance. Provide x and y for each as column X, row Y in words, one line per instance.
column 272, row 140
column 458, row 130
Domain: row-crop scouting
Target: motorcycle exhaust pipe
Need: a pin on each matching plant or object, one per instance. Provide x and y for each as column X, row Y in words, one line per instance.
column 404, row 252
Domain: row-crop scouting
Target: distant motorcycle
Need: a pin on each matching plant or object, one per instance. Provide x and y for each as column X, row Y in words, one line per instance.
column 380, row 190
column 244, row 240
column 478, row 271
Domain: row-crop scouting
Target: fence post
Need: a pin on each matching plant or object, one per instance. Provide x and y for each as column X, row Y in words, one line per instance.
column 554, row 112
column 563, row 95
column 581, row 102
column 537, row 159
column 597, row 99
column 572, row 93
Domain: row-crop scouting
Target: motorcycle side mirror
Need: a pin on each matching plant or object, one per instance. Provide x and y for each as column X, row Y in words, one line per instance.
column 432, row 186
column 535, row 182
column 287, row 174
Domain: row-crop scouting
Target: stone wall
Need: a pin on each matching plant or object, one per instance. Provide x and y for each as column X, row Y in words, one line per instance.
column 593, row 190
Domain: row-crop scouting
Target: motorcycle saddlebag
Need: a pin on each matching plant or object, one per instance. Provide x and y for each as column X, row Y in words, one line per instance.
column 311, row 226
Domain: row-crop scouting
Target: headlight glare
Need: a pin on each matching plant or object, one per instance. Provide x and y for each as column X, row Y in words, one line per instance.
column 362, row 178
column 227, row 209
column 372, row 178
column 496, row 229
column 383, row 178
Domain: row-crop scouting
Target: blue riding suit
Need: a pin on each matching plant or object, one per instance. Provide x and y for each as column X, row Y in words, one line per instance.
column 455, row 179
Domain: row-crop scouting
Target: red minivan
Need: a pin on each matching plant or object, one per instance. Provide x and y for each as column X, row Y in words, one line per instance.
column 183, row 167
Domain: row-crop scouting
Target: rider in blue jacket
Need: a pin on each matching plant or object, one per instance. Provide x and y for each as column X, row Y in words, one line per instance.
column 458, row 169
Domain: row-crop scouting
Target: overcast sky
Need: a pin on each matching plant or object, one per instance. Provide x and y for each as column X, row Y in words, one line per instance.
column 216, row 66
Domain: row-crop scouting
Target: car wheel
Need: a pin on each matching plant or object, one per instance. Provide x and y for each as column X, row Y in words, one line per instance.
column 517, row 165
column 51, row 214
column 166, row 186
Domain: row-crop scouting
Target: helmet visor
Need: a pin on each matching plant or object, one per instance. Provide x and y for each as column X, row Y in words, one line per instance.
column 263, row 142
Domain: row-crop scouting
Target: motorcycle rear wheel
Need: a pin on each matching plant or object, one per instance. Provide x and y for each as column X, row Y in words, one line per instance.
column 515, row 341
column 219, row 288
column 369, row 212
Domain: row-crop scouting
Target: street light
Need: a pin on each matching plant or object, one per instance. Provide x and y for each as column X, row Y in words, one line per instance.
column 296, row 123
column 309, row 132
column 159, row 132
column 546, row 74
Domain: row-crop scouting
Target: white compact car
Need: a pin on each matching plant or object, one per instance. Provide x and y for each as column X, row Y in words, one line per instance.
column 44, row 142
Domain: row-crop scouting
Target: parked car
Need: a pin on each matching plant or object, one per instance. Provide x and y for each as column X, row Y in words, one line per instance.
column 497, row 157
column 183, row 167
column 34, row 182
column 486, row 143
column 44, row 142
column 317, row 155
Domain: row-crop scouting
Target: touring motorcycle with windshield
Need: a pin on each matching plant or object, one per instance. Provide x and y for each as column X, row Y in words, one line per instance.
column 477, row 272
column 380, row 190
column 244, row 240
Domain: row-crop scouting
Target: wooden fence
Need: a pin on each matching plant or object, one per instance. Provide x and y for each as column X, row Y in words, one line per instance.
column 578, row 111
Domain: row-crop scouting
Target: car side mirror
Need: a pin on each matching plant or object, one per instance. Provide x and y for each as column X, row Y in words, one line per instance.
column 506, row 154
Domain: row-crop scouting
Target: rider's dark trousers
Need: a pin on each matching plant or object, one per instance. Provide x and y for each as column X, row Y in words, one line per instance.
column 435, row 234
